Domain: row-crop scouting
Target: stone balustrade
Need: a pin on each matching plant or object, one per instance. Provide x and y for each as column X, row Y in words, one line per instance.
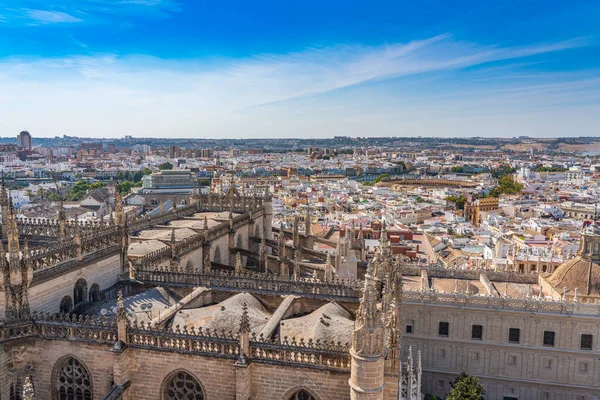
column 532, row 304
column 337, row 289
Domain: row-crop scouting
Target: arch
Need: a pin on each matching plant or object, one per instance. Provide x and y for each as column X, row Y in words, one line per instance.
column 71, row 380
column 189, row 267
column 80, row 291
column 217, row 255
column 182, row 384
column 66, row 305
column 239, row 242
column 300, row 394
column 94, row 294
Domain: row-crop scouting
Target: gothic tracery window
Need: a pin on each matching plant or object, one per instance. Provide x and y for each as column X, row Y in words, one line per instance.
column 73, row 381
column 183, row 386
column 301, row 395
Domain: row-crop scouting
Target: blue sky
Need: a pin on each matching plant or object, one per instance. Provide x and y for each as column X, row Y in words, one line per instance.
column 240, row 69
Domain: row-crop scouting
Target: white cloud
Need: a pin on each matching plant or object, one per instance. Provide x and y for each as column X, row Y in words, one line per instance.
column 265, row 95
column 51, row 17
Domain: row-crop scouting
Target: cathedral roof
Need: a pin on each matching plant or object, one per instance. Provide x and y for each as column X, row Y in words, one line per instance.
column 327, row 323
column 575, row 273
column 142, row 307
column 225, row 315
column 143, row 247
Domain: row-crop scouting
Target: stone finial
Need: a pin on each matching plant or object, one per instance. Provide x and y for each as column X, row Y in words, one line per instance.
column 205, row 227
column 576, row 297
column 564, row 294
column 244, row 320
column 244, row 336
column 121, row 313
column 122, row 321
column 28, row 392
column 296, row 266
column 239, row 268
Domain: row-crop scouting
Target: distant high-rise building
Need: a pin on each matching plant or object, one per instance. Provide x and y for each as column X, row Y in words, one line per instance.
column 24, row 140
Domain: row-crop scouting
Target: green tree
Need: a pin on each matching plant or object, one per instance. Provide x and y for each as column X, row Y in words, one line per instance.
column 432, row 397
column 165, row 166
column 466, row 387
column 381, row 177
column 503, row 170
column 506, row 185
column 97, row 185
column 125, row 187
column 78, row 191
column 459, row 201
column 456, row 169
column 147, row 171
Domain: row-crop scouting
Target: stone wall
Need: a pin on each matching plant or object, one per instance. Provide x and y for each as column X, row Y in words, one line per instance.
column 46, row 296
column 529, row 368
column 45, row 356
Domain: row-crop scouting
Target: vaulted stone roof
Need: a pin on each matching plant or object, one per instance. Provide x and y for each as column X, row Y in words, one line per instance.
column 329, row 322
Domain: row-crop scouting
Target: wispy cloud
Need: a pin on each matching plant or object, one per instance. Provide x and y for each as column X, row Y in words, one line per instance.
column 89, row 11
column 51, row 17
column 266, row 93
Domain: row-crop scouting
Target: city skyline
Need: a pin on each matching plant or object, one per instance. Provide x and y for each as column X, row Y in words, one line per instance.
column 180, row 69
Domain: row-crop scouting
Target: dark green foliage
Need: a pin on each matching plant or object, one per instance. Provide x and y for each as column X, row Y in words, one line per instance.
column 466, row 387
column 549, row 169
column 381, row 177
column 506, row 185
column 504, row 170
column 165, row 166
column 125, row 187
column 459, row 201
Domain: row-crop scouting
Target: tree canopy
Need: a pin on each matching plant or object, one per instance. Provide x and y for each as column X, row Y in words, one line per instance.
column 506, row 185
column 459, row 201
column 466, row 387
column 165, row 166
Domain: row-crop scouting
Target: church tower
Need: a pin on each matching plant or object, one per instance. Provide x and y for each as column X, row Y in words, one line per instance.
column 368, row 346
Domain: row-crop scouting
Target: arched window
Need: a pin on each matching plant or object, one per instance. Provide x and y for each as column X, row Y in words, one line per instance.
column 73, row 381
column 66, row 305
column 217, row 255
column 80, row 291
column 94, row 292
column 301, row 395
column 182, row 386
column 238, row 243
